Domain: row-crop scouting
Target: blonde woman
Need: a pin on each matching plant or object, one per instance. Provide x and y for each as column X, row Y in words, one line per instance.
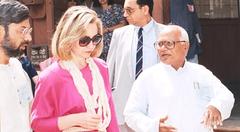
column 73, row 94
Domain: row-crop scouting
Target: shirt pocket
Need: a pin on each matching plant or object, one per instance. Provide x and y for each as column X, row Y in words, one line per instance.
column 203, row 91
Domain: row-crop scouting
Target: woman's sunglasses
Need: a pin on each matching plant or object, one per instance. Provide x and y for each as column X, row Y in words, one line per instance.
column 85, row 41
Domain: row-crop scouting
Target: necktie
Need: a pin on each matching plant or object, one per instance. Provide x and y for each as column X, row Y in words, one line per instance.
column 139, row 56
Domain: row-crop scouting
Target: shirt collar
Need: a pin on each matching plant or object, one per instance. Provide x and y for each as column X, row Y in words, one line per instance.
column 146, row 27
column 180, row 69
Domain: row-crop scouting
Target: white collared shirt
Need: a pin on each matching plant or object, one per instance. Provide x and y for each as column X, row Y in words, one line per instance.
column 183, row 95
column 149, row 52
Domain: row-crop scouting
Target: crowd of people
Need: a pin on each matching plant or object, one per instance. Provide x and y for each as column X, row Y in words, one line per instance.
column 106, row 75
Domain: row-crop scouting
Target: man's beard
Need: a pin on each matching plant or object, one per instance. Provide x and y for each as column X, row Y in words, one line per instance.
column 10, row 51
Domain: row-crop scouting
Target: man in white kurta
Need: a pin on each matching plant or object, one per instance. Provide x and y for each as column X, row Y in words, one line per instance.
column 15, row 85
column 177, row 95
column 15, row 97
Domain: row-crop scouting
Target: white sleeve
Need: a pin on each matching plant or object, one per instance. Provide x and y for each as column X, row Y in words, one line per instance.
column 111, row 58
column 135, row 112
column 223, row 99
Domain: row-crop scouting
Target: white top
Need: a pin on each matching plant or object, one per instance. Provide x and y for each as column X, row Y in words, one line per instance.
column 149, row 52
column 15, row 97
column 182, row 95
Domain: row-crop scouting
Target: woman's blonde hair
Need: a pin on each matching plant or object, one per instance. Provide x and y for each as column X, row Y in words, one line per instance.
column 71, row 27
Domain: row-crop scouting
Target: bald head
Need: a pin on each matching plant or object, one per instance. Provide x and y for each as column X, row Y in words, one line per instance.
column 172, row 45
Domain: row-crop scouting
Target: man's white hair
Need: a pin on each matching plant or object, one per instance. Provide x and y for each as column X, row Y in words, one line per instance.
column 183, row 32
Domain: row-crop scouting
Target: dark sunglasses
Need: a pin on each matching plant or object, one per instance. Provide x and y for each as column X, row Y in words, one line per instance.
column 84, row 41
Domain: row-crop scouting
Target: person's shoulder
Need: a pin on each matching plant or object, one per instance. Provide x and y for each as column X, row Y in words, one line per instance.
column 124, row 29
column 51, row 72
column 102, row 66
column 195, row 65
column 15, row 62
column 160, row 25
column 152, row 70
column 49, row 80
column 100, row 63
column 198, row 68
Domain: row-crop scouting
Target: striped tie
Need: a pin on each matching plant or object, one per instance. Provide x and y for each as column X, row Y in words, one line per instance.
column 139, row 56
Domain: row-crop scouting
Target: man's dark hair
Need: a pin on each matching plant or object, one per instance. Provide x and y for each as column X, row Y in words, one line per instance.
column 12, row 12
column 148, row 3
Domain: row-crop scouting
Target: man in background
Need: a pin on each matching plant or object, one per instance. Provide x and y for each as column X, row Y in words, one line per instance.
column 183, row 13
column 131, row 51
column 29, row 69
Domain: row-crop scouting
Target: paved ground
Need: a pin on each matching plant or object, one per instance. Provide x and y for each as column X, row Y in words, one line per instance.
column 230, row 125
column 233, row 123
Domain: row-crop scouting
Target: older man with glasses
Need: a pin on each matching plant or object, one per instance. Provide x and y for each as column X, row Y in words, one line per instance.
column 177, row 95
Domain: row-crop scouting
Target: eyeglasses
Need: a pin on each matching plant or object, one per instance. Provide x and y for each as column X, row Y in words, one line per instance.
column 129, row 11
column 167, row 44
column 26, row 31
column 85, row 41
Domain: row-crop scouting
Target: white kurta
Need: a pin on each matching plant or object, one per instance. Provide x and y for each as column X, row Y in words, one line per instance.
column 15, row 97
column 182, row 95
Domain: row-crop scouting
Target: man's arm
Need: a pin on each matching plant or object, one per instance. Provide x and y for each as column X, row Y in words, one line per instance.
column 135, row 112
column 111, row 58
column 220, row 106
column 164, row 127
column 212, row 117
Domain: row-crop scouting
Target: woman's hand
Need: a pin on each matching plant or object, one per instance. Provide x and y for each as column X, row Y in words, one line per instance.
column 88, row 121
column 84, row 120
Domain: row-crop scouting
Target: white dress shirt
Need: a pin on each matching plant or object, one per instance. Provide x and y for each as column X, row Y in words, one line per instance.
column 149, row 52
column 15, row 98
column 183, row 95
